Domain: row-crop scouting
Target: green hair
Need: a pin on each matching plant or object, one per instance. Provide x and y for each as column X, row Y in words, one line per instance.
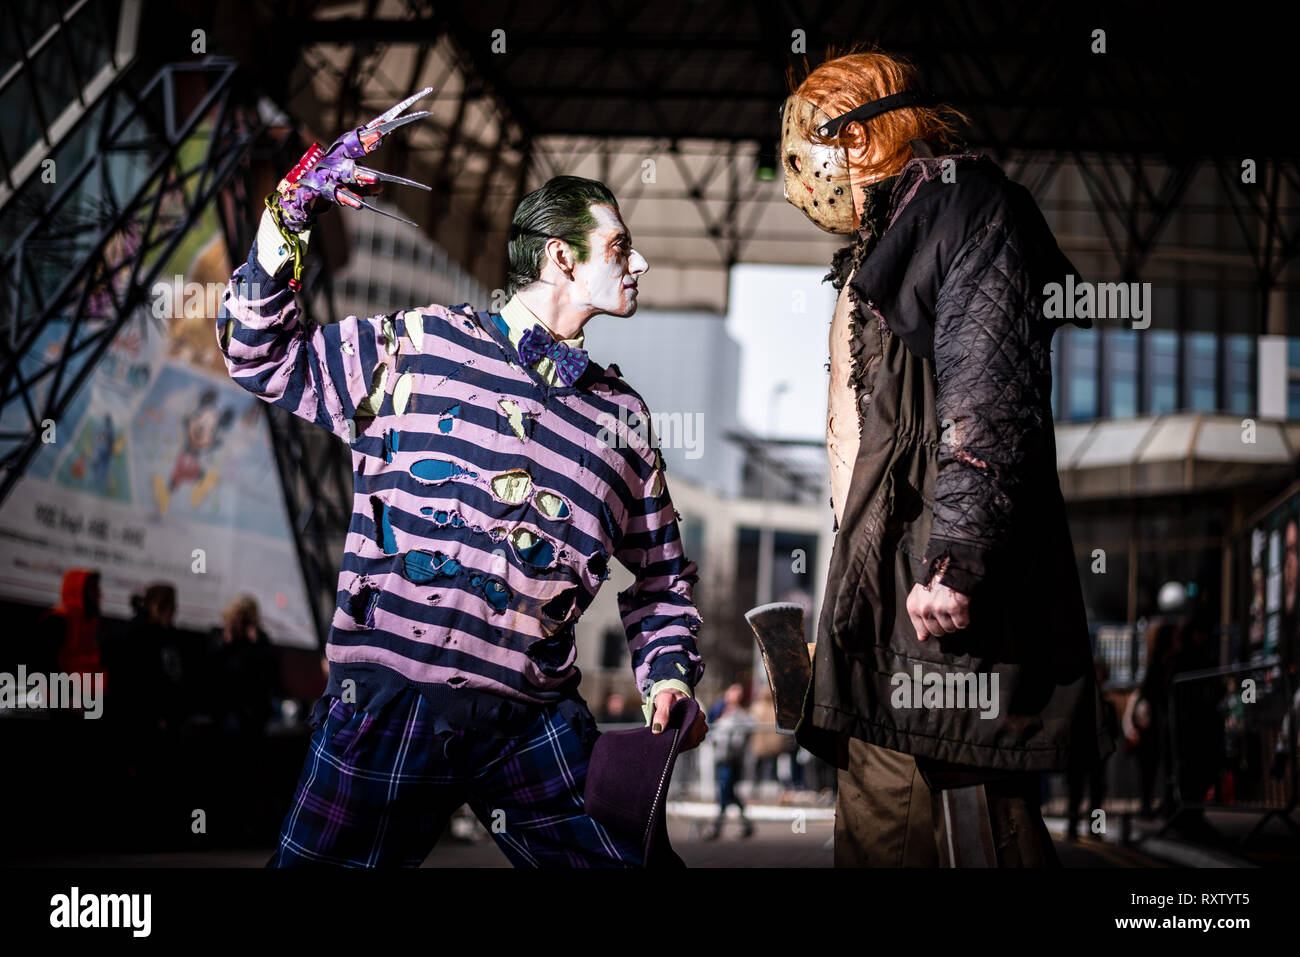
column 560, row 209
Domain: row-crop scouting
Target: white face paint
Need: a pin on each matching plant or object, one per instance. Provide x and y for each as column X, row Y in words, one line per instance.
column 606, row 282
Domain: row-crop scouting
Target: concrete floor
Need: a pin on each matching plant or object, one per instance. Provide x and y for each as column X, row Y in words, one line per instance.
column 774, row 844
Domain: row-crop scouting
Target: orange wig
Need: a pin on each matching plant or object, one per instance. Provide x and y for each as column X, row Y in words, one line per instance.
column 858, row 77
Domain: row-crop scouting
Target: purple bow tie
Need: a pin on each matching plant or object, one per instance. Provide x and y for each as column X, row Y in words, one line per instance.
column 536, row 344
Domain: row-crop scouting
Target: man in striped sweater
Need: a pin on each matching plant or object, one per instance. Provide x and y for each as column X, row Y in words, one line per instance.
column 498, row 471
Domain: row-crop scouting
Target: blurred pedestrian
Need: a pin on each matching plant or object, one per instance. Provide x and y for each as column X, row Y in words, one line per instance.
column 615, row 709
column 242, row 672
column 140, row 711
column 773, row 751
column 1094, row 776
column 730, row 728
column 243, row 681
column 133, row 659
column 1146, row 718
column 72, row 627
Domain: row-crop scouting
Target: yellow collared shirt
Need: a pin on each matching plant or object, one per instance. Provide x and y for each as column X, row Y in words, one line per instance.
column 519, row 319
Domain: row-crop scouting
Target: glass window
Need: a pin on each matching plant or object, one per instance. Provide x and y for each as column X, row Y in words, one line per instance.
column 692, row 529
column 54, row 80
column 747, row 541
column 1293, row 353
column 1162, row 371
column 1122, row 348
column 1200, row 357
column 1081, row 378
column 1239, row 362
column 794, row 573
column 1293, row 399
column 613, row 649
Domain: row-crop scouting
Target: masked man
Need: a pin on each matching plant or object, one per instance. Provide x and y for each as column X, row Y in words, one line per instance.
column 953, row 648
column 490, row 497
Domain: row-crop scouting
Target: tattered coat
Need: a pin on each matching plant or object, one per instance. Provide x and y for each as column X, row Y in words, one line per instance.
column 956, row 477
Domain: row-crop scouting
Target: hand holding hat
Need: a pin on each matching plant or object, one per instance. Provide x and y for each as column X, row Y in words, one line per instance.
column 663, row 705
column 628, row 776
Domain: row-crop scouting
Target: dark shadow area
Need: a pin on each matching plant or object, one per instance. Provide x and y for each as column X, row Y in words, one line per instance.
column 186, row 754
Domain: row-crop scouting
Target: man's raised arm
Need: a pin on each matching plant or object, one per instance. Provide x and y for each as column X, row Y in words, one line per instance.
column 327, row 373
column 321, row 374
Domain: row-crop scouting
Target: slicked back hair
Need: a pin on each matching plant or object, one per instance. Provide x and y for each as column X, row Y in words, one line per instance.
column 559, row 209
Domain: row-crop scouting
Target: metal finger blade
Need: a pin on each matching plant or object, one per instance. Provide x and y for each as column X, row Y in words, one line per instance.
column 371, row 137
column 400, row 107
column 374, row 174
column 349, row 198
column 391, row 125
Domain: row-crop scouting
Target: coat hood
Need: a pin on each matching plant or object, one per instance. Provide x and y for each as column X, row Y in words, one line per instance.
column 901, row 278
column 72, row 593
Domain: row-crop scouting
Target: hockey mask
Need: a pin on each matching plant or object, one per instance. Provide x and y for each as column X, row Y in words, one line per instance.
column 817, row 177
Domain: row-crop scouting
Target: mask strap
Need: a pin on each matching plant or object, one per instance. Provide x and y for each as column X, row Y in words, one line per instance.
column 866, row 111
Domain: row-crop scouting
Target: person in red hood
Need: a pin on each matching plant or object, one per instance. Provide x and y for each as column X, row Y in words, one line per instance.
column 74, row 623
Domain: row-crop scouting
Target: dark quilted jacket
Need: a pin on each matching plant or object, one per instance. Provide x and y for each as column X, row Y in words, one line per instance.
column 955, row 477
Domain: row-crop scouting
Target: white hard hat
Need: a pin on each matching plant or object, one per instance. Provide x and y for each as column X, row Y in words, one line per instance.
column 1172, row 596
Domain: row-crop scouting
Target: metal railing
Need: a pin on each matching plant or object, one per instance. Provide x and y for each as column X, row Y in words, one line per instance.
column 1233, row 740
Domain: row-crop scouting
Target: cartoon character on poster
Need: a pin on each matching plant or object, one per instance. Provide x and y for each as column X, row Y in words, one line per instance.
column 202, row 431
column 97, row 462
column 105, row 442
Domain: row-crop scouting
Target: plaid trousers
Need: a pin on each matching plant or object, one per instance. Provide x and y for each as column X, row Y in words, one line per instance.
column 377, row 790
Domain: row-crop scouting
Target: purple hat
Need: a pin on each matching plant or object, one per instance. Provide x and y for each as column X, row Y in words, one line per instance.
column 627, row 782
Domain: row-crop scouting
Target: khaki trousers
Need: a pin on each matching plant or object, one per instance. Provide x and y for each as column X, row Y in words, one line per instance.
column 886, row 815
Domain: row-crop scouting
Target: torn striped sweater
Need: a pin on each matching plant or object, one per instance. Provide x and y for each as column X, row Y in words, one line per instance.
column 487, row 503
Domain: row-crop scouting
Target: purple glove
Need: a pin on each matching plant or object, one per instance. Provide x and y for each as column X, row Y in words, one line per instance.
column 326, row 175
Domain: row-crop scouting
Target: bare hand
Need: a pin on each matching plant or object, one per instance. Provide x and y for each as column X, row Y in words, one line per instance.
column 664, row 701
column 937, row 610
